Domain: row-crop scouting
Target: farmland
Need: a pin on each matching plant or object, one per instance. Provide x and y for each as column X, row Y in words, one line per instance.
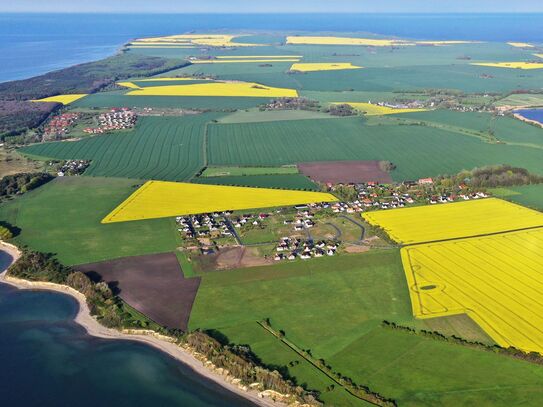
column 512, row 65
column 63, row 99
column 167, row 301
column 527, row 195
column 250, row 123
column 321, row 66
column 417, row 151
column 237, row 171
column 113, row 99
column 235, row 89
column 337, row 315
column 456, row 220
column 283, row 181
column 375, row 110
column 167, row 148
column 496, row 280
column 158, row 199
column 63, row 217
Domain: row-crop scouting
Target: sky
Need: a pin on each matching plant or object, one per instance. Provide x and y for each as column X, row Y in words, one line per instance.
column 275, row 6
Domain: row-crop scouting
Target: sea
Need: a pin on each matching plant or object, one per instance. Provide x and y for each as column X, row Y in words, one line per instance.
column 49, row 360
column 33, row 44
column 532, row 114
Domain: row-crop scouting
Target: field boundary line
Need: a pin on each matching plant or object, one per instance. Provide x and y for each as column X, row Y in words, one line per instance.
column 294, row 348
column 472, row 236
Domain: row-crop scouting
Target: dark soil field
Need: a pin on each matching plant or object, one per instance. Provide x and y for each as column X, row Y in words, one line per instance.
column 152, row 284
column 345, row 172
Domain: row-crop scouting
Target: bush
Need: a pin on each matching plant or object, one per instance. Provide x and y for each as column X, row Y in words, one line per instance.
column 5, row 233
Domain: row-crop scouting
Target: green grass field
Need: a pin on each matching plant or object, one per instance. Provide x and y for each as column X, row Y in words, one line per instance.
column 284, row 181
column 506, row 129
column 521, row 100
column 527, row 195
column 165, row 148
column 417, row 151
column 116, row 99
column 63, row 217
column 237, row 171
column 334, row 306
column 255, row 115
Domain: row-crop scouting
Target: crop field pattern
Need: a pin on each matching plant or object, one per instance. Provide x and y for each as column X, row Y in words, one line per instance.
column 158, row 199
column 483, row 258
column 168, row 148
column 497, row 280
column 417, row 151
column 456, row 220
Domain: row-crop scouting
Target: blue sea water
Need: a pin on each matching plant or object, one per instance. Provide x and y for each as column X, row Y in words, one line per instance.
column 532, row 114
column 33, row 44
column 48, row 360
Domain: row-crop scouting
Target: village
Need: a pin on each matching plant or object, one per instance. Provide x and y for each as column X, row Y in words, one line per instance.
column 116, row 119
column 316, row 230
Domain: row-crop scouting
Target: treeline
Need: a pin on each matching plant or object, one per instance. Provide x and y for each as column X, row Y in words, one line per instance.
column 242, row 365
column 358, row 390
column 18, row 114
column 17, row 184
column 492, row 176
column 112, row 312
column 533, row 357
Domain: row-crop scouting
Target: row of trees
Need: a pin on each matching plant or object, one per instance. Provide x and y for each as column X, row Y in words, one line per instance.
column 358, row 390
column 533, row 357
column 490, row 177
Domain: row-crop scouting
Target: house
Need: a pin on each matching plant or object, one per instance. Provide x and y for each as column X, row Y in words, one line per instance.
column 425, row 181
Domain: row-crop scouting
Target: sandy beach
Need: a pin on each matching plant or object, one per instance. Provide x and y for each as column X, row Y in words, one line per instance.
column 151, row 338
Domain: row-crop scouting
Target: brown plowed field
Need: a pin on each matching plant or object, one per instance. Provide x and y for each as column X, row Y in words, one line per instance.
column 345, row 172
column 153, row 284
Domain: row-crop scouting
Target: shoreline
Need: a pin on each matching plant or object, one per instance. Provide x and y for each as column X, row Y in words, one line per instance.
column 520, row 117
column 150, row 338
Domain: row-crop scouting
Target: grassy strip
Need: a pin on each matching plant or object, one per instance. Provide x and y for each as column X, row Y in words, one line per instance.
column 359, row 391
column 532, row 357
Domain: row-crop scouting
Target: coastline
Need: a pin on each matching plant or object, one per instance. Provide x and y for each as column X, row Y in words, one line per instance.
column 526, row 120
column 151, row 338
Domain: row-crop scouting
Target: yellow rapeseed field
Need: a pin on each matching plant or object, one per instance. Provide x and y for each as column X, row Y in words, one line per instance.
column 212, row 40
column 323, row 66
column 497, row 280
column 370, row 109
column 160, row 199
column 161, row 46
column 244, row 89
column 64, row 99
column 520, row 44
column 128, row 85
column 454, row 220
column 316, row 40
column 512, row 65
